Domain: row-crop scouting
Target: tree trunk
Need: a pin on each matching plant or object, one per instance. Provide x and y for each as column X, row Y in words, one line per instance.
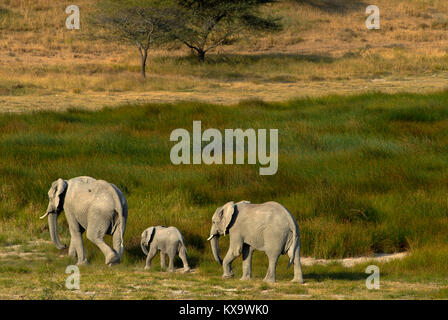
column 201, row 56
column 144, row 56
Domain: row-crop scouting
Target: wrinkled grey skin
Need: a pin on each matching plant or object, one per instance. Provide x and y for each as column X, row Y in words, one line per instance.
column 268, row 227
column 169, row 241
column 91, row 205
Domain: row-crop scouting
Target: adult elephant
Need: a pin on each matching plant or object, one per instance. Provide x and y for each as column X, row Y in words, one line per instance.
column 267, row 227
column 91, row 205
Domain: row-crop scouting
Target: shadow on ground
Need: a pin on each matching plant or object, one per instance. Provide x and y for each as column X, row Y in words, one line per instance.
column 215, row 58
column 135, row 255
column 335, row 6
column 341, row 275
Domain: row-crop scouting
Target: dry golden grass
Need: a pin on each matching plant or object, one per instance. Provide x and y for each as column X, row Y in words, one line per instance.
column 322, row 49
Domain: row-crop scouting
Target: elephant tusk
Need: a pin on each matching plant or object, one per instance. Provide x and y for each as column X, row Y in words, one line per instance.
column 211, row 237
column 46, row 214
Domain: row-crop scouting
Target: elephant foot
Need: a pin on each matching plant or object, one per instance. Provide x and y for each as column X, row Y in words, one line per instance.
column 147, row 268
column 82, row 263
column 186, row 270
column 170, row 270
column 112, row 264
column 298, row 280
column 244, row 278
column 269, row 280
column 113, row 259
column 227, row 275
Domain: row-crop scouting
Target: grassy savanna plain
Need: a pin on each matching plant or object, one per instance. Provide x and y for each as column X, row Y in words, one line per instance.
column 362, row 174
column 324, row 48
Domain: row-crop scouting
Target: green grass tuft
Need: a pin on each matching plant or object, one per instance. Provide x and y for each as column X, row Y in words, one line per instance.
column 361, row 174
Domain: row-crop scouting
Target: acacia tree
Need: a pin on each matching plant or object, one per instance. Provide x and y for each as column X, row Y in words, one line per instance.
column 144, row 23
column 203, row 25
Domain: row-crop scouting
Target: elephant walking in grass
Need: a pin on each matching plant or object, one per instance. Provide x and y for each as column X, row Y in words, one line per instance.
column 95, row 206
column 169, row 241
column 267, row 227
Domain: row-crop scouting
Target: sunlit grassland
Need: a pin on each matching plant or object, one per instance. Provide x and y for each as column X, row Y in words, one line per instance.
column 321, row 48
column 362, row 174
column 180, row 74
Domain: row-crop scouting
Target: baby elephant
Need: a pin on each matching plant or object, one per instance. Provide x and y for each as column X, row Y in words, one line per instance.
column 169, row 241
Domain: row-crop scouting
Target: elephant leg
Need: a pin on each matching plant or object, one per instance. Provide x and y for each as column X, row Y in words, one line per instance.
column 171, row 256
column 231, row 255
column 72, row 249
column 76, row 248
column 151, row 254
column 247, row 262
column 96, row 235
column 298, row 277
column 116, row 240
column 162, row 260
column 183, row 257
column 270, row 275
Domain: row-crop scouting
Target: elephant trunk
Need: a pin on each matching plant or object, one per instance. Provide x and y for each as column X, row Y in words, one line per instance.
column 143, row 245
column 214, row 242
column 53, row 225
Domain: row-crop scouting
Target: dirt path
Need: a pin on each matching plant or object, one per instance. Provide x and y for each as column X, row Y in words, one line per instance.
column 223, row 93
column 29, row 251
column 350, row 262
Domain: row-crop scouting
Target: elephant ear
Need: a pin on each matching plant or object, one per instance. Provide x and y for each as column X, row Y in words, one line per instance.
column 61, row 187
column 227, row 214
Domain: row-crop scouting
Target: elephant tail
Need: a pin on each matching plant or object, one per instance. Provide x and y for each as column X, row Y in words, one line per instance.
column 121, row 208
column 294, row 239
column 182, row 245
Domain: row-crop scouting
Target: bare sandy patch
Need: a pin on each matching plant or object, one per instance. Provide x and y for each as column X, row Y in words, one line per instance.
column 350, row 262
column 17, row 250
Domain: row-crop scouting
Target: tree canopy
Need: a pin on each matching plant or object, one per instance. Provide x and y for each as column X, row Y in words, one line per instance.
column 207, row 24
column 201, row 25
column 140, row 22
